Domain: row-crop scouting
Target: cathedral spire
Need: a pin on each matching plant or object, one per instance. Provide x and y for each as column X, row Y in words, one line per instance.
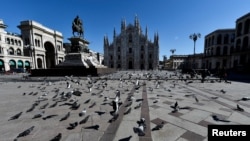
column 146, row 32
column 105, row 40
column 114, row 35
column 123, row 25
column 137, row 24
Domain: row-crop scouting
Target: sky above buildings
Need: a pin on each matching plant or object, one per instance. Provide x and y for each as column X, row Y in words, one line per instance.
column 173, row 20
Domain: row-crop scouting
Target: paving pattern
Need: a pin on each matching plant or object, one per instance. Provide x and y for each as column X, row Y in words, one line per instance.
column 149, row 95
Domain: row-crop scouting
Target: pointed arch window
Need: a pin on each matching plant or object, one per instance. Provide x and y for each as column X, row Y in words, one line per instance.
column 130, row 38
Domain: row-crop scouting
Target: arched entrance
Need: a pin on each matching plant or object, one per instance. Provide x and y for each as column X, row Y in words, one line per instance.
column 50, row 55
column 130, row 64
column 2, row 65
column 12, row 64
column 19, row 64
column 39, row 63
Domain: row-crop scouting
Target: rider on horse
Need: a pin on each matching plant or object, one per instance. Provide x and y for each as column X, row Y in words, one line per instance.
column 77, row 26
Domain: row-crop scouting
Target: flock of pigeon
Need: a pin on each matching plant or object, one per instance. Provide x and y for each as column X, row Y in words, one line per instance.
column 76, row 87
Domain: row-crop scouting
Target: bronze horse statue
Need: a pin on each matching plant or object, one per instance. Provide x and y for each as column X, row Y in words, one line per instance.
column 77, row 27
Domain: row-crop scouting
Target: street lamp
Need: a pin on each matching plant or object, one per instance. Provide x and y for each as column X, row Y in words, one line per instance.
column 194, row 37
column 172, row 51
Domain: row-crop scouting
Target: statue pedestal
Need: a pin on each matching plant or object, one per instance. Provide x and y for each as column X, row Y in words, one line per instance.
column 78, row 44
column 80, row 60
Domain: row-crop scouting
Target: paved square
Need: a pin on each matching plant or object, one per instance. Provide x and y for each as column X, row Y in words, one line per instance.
column 140, row 97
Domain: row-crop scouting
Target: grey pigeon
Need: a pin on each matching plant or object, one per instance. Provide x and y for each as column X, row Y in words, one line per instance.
column 125, row 139
column 95, row 127
column 72, row 125
column 128, row 111
column 16, row 116
column 84, row 120
column 57, row 137
column 239, row 108
column 158, row 127
column 38, row 115
column 65, row 117
column 49, row 116
column 26, row 132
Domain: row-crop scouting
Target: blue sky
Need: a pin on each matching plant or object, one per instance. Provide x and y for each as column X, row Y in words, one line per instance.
column 174, row 20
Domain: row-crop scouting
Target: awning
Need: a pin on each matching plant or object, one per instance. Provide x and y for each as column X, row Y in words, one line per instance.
column 27, row 64
column 20, row 63
column 12, row 63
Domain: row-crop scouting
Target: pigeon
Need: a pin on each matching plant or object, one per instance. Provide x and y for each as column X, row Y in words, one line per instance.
column 16, row 116
column 39, row 115
column 239, row 108
column 196, row 99
column 84, row 120
column 68, row 85
column 57, row 137
column 53, row 105
column 245, row 98
column 218, row 119
column 75, row 106
column 77, row 93
column 175, row 107
column 49, row 116
column 83, row 112
column 65, row 117
column 114, row 118
column 95, row 127
column 31, row 108
column 72, row 125
column 100, row 113
column 222, row 91
column 140, row 130
column 159, row 126
column 87, row 101
column 91, row 106
column 128, row 111
column 129, row 104
column 125, row 139
column 138, row 106
column 26, row 132
column 155, row 101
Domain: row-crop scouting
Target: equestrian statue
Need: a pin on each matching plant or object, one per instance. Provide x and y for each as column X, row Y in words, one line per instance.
column 77, row 26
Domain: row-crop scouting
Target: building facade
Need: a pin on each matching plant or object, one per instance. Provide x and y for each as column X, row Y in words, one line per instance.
column 12, row 51
column 218, row 49
column 37, row 47
column 43, row 45
column 131, row 49
column 241, row 52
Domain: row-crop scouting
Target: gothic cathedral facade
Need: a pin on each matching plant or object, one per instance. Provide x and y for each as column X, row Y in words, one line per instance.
column 131, row 49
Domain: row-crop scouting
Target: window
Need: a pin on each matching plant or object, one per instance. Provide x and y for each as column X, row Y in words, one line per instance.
column 142, row 48
column 142, row 56
column 119, row 57
column 118, row 49
column 11, row 51
column 111, row 57
column 130, row 38
column 19, row 52
column 58, row 47
column 130, row 50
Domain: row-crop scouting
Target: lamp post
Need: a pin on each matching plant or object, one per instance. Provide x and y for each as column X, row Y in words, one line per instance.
column 172, row 51
column 194, row 37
